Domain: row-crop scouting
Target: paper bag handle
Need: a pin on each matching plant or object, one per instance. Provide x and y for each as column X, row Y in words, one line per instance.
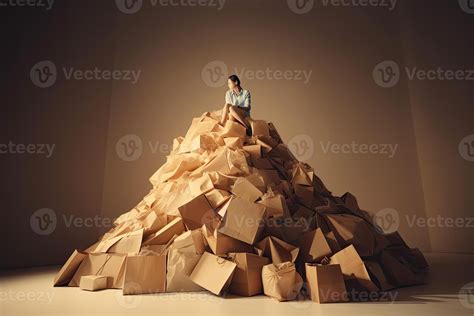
column 108, row 257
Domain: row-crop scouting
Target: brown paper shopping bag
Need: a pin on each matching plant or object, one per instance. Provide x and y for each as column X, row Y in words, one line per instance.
column 325, row 283
column 145, row 274
column 67, row 271
column 213, row 273
column 183, row 256
column 247, row 279
column 281, row 281
column 110, row 265
column 243, row 220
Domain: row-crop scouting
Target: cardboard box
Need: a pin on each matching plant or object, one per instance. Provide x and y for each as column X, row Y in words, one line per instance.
column 197, row 212
column 247, row 279
column 93, row 282
column 221, row 244
column 243, row 220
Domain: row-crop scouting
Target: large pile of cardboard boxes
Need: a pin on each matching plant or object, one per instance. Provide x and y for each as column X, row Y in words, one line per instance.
column 237, row 214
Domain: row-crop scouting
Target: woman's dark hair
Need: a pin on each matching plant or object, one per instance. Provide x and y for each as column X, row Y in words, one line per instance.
column 235, row 79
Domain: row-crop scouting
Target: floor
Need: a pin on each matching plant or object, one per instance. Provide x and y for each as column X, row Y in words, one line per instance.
column 30, row 292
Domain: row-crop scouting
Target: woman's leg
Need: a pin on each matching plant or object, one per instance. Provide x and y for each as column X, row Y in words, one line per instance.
column 238, row 114
column 225, row 113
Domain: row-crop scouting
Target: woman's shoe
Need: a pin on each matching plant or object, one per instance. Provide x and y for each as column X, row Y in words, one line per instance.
column 249, row 131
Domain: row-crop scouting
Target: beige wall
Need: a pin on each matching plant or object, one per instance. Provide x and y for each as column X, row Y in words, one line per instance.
column 171, row 46
column 443, row 115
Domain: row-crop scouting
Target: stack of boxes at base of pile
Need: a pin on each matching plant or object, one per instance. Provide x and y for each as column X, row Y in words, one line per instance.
column 236, row 214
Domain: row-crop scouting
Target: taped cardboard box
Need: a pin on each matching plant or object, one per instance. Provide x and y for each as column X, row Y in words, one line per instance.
column 325, row 283
column 247, row 279
column 213, row 273
column 281, row 281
